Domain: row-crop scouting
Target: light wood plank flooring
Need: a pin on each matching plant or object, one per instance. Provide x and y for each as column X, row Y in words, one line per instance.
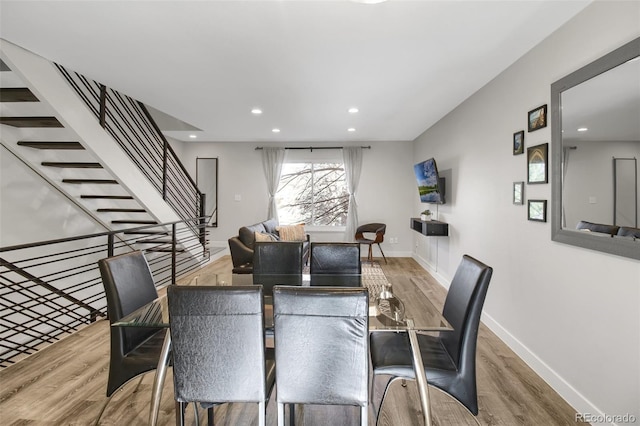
column 65, row 384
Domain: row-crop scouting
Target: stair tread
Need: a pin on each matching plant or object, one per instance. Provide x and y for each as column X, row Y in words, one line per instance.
column 72, row 165
column 98, row 181
column 143, row 232
column 17, row 94
column 118, row 210
column 107, row 197
column 51, row 145
column 31, row 121
column 142, row 222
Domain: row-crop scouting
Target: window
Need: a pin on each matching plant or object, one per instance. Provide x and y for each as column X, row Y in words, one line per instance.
column 314, row 193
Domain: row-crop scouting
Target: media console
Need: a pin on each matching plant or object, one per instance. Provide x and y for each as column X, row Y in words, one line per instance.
column 430, row 228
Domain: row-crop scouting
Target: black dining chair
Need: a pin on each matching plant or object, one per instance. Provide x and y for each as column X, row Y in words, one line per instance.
column 322, row 350
column 335, row 264
column 218, row 347
column 449, row 358
column 129, row 285
column 277, row 263
column 335, row 258
column 370, row 234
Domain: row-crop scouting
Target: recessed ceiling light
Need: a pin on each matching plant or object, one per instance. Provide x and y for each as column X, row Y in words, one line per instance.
column 353, row 110
column 256, row 111
column 192, row 136
column 275, row 130
column 582, row 129
column 351, row 129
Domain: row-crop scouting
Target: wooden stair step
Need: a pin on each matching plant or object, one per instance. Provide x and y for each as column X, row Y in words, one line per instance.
column 135, row 222
column 31, row 121
column 154, row 241
column 145, row 232
column 164, row 249
column 107, row 197
column 97, row 181
column 72, row 165
column 117, row 210
column 17, row 94
column 51, row 145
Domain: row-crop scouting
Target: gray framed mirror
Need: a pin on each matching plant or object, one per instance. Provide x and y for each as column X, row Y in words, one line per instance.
column 207, row 181
column 595, row 124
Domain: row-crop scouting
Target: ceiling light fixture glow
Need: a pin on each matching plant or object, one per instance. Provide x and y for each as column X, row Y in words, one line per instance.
column 582, row 129
column 192, row 136
column 256, row 111
column 353, row 110
column 351, row 129
column 275, row 130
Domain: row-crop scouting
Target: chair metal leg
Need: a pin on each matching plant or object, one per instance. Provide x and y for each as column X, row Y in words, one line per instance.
column 210, row 416
column 180, row 409
column 280, row 414
column 262, row 413
column 370, row 256
column 364, row 416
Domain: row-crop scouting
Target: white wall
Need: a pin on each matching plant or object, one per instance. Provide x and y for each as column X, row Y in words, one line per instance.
column 589, row 180
column 31, row 210
column 386, row 189
column 573, row 314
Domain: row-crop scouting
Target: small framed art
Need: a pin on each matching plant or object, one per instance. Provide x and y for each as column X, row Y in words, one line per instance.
column 537, row 118
column 537, row 170
column 537, row 210
column 518, row 192
column 518, row 142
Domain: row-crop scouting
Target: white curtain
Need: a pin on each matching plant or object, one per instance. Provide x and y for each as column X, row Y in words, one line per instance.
column 272, row 159
column 352, row 157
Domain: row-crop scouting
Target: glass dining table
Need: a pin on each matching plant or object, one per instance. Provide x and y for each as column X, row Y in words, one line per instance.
column 397, row 303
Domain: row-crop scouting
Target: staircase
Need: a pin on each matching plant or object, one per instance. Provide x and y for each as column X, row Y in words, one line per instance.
column 88, row 167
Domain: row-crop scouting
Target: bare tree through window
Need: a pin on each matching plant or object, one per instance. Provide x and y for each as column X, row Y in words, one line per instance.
column 313, row 193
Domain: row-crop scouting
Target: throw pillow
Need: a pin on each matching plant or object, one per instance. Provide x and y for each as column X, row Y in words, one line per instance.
column 263, row 236
column 292, row 232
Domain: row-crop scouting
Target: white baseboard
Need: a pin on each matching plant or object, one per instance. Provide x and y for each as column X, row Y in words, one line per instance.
column 550, row 376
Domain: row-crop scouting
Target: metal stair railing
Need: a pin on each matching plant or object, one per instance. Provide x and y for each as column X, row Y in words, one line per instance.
column 132, row 127
column 50, row 289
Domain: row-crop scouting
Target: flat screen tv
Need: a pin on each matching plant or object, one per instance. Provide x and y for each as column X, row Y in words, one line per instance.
column 430, row 184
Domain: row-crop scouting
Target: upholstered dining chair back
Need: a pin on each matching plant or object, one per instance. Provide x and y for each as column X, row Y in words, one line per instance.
column 129, row 285
column 218, row 345
column 281, row 257
column 322, row 351
column 277, row 262
column 463, row 308
column 449, row 358
column 335, row 258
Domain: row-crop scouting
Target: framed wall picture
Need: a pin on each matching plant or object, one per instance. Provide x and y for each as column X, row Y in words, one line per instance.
column 518, row 142
column 537, row 210
column 518, row 192
column 537, row 169
column 537, row 118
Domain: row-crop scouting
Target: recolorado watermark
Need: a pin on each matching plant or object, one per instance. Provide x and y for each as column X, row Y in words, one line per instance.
column 605, row 418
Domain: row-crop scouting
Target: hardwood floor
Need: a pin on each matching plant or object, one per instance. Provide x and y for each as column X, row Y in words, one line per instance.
column 65, row 384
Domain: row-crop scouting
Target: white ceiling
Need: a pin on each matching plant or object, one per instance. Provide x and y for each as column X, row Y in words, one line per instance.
column 404, row 64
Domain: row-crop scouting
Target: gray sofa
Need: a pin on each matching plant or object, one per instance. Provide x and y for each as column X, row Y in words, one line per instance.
column 241, row 246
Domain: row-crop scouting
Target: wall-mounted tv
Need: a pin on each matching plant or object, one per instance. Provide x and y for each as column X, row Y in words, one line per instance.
column 430, row 184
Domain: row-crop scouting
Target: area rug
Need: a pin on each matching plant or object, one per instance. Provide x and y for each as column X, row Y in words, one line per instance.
column 373, row 278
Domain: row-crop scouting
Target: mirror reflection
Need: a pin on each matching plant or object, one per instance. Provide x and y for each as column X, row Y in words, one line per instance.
column 596, row 147
column 600, row 135
column 207, row 181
